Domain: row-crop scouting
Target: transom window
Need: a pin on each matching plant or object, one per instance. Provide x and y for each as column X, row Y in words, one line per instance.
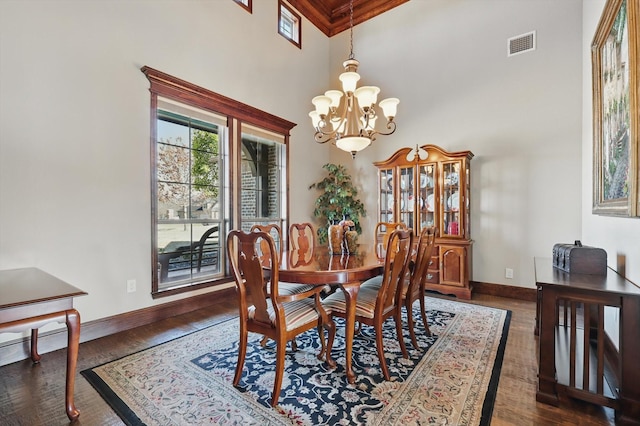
column 289, row 24
column 245, row 3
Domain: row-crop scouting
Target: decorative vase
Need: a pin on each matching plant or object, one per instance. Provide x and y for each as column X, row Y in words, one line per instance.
column 336, row 235
column 351, row 240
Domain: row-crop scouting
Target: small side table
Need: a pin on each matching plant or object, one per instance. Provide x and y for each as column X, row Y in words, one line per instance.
column 31, row 298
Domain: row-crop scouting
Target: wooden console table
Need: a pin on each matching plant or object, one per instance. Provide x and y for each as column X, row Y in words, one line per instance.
column 31, row 298
column 576, row 357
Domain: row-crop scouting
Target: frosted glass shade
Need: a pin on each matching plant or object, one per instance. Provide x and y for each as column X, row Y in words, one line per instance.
column 349, row 81
column 322, row 104
column 367, row 95
column 335, row 96
column 315, row 119
column 389, row 107
column 353, row 143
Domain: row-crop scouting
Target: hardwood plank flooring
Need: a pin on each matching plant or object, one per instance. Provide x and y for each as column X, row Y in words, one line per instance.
column 34, row 394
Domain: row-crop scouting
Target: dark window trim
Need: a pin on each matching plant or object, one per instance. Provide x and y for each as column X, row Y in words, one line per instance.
column 165, row 85
column 248, row 7
column 282, row 4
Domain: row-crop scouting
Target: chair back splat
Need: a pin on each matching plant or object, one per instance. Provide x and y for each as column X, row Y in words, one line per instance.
column 415, row 288
column 302, row 236
column 276, row 234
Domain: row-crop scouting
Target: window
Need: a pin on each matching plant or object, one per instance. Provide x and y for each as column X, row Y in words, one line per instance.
column 245, row 3
column 289, row 25
column 263, row 165
column 216, row 165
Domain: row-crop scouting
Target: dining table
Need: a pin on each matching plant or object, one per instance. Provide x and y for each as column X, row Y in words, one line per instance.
column 318, row 266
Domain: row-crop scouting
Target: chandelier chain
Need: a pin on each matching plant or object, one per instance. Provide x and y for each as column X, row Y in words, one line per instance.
column 351, row 28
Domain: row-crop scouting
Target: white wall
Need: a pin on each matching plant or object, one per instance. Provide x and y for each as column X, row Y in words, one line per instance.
column 620, row 237
column 74, row 125
column 446, row 60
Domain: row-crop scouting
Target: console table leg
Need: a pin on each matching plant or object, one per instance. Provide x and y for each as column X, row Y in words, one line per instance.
column 35, row 356
column 73, row 336
column 547, row 392
column 629, row 348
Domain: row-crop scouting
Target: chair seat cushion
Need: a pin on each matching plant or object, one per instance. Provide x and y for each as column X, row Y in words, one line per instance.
column 365, row 303
column 374, row 282
column 297, row 313
column 289, row 289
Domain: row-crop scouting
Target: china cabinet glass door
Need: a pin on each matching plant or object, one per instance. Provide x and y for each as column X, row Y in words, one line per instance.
column 427, row 195
column 407, row 197
column 386, row 195
column 451, row 199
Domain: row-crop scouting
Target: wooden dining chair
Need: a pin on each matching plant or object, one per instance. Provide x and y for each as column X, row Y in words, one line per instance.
column 414, row 287
column 302, row 239
column 293, row 290
column 375, row 305
column 302, row 236
column 382, row 233
column 275, row 232
column 269, row 313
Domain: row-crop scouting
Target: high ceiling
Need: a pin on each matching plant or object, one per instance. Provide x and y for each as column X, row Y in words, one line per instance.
column 332, row 16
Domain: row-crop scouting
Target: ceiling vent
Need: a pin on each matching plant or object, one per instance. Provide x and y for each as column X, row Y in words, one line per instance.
column 521, row 44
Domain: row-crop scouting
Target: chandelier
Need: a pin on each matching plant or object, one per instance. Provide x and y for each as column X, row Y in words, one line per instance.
column 348, row 117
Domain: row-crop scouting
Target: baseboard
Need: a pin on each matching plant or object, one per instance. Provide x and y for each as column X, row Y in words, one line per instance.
column 17, row 350
column 502, row 290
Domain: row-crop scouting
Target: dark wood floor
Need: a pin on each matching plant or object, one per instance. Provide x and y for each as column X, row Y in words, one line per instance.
column 34, row 394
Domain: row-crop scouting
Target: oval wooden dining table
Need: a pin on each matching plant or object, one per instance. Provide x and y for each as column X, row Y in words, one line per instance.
column 319, row 267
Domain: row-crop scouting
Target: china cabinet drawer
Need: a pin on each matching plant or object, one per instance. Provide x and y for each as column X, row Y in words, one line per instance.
column 433, row 276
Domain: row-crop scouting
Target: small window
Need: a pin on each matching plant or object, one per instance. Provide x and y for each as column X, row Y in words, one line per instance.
column 289, row 24
column 246, row 4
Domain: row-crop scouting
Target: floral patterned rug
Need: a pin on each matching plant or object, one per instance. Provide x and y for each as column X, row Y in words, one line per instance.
column 187, row 381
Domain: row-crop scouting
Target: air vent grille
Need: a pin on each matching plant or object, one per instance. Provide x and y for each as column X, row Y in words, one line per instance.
column 521, row 44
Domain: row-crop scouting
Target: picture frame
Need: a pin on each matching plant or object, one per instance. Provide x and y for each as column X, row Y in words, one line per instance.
column 615, row 53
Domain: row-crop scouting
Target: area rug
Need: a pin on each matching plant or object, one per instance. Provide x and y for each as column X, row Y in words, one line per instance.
column 450, row 380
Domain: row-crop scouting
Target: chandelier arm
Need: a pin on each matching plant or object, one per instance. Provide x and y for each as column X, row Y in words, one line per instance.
column 391, row 125
column 321, row 136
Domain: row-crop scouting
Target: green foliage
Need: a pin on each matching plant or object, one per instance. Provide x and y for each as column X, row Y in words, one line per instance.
column 339, row 198
column 205, row 165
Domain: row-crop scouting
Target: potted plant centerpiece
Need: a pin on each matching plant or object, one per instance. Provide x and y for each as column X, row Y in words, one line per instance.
column 337, row 202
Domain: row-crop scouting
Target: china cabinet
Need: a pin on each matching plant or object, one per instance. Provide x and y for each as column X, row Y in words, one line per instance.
column 427, row 192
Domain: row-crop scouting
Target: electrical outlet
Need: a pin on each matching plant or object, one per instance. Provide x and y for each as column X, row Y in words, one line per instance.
column 131, row 286
column 508, row 273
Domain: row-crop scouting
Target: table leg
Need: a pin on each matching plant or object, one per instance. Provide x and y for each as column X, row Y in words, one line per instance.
column 73, row 342
column 629, row 413
column 547, row 392
column 35, row 356
column 350, row 295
